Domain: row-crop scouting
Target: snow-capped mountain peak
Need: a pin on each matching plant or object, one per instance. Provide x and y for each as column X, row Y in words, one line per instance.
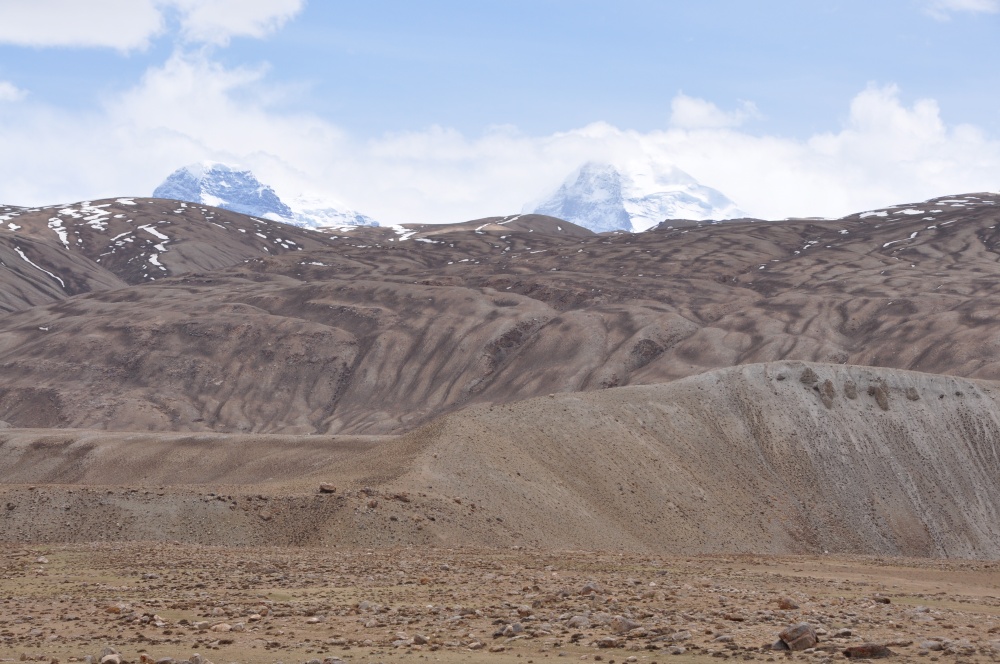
column 633, row 197
column 237, row 189
column 223, row 186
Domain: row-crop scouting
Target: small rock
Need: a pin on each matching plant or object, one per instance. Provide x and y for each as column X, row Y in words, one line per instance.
column 786, row 604
column 327, row 488
column 420, row 640
column 578, row 622
column 680, row 636
column 867, row 651
column 608, row 642
column 513, row 629
column 676, row 650
column 932, row 645
column 622, row 625
column 591, row 588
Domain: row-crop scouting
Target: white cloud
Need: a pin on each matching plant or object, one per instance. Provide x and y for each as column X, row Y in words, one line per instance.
column 128, row 25
column 942, row 9
column 10, row 92
column 215, row 21
column 693, row 113
column 192, row 108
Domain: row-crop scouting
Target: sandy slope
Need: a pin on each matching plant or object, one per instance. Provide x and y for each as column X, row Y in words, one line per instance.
column 781, row 457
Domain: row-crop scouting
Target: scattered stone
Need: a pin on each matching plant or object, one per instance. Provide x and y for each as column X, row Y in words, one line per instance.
column 327, row 488
column 786, row 604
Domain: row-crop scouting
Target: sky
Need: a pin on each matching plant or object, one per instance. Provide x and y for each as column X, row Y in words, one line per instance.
column 447, row 110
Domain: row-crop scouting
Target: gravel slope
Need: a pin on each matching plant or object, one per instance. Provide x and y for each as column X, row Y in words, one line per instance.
column 783, row 457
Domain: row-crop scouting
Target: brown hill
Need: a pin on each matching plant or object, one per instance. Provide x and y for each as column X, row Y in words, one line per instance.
column 144, row 239
column 377, row 330
column 772, row 458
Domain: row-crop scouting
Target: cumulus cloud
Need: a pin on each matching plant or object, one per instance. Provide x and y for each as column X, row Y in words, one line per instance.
column 192, row 108
column 10, row 92
column 693, row 113
column 127, row 25
column 943, row 9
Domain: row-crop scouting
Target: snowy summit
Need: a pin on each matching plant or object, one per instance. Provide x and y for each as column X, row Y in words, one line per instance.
column 237, row 189
column 603, row 197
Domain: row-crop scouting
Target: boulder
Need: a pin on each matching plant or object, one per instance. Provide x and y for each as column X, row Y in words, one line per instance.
column 799, row 637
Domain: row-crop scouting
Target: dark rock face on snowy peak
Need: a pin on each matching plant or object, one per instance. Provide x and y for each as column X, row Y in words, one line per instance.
column 238, row 190
column 225, row 187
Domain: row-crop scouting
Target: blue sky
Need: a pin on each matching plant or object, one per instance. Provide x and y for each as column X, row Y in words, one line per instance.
column 444, row 110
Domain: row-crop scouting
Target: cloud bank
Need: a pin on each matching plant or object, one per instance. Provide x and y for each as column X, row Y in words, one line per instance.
column 127, row 25
column 192, row 108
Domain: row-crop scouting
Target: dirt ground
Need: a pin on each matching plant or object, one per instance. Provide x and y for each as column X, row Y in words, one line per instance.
column 159, row 600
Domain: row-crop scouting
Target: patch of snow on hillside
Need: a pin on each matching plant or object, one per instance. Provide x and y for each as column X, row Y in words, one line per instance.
column 37, row 267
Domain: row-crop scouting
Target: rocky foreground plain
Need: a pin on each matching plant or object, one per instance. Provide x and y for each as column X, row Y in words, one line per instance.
column 168, row 602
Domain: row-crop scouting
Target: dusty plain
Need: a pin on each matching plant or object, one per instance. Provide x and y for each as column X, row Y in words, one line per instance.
column 160, row 600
